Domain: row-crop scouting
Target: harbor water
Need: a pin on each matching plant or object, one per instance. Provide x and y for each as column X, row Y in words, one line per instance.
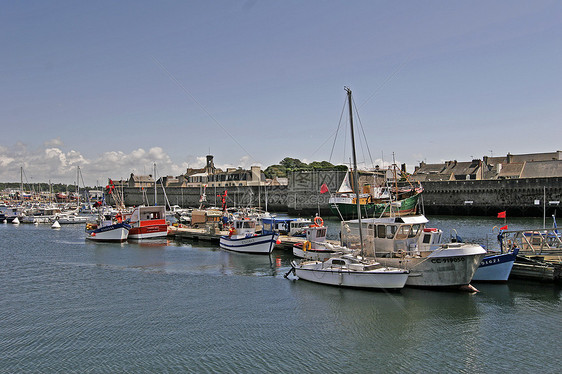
column 163, row 306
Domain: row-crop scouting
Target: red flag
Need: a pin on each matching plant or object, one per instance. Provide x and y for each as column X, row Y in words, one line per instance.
column 503, row 227
column 501, row 214
column 324, row 188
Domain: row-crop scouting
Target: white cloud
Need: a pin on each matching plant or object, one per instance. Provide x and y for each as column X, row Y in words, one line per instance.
column 54, row 143
column 58, row 165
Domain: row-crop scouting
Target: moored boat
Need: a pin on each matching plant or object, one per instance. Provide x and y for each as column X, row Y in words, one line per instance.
column 68, row 218
column 243, row 238
column 107, row 229
column 9, row 213
column 374, row 202
column 350, row 271
column 496, row 267
column 148, row 222
column 315, row 247
column 405, row 242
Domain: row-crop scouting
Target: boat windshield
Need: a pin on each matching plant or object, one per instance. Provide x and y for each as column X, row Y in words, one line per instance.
column 415, row 230
column 245, row 224
column 403, row 231
column 390, row 231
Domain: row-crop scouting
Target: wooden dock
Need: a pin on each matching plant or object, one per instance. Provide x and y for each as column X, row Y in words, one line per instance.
column 538, row 268
column 213, row 235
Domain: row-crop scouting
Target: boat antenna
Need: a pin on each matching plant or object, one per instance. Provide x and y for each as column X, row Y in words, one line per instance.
column 355, row 178
column 155, row 197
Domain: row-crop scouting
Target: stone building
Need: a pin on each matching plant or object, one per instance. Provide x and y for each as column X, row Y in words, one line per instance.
column 534, row 165
column 232, row 177
column 140, row 181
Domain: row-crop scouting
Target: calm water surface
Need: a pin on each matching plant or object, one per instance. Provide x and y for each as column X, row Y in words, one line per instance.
column 161, row 306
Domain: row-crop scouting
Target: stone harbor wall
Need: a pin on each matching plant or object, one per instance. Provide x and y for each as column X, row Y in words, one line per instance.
column 302, row 197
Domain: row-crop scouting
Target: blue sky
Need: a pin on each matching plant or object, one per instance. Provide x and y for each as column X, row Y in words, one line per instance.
column 116, row 86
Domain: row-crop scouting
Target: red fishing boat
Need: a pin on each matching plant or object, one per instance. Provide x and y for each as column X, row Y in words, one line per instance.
column 148, row 222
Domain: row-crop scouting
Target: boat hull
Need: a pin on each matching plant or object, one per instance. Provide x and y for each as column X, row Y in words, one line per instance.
column 113, row 233
column 71, row 220
column 258, row 244
column 374, row 279
column 495, row 268
column 405, row 206
column 442, row 268
column 36, row 219
column 149, row 232
column 348, row 210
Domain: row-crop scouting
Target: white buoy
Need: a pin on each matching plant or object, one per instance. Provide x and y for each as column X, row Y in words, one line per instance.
column 55, row 225
column 16, row 221
column 5, row 221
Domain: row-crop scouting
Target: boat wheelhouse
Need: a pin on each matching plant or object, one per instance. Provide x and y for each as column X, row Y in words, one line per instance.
column 148, row 222
column 406, row 242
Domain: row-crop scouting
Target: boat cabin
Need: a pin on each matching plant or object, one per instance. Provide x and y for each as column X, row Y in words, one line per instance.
column 274, row 224
column 152, row 214
column 390, row 236
column 243, row 227
column 298, row 226
column 316, row 234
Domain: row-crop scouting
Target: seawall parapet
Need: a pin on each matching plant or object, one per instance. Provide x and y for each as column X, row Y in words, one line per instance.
column 302, row 197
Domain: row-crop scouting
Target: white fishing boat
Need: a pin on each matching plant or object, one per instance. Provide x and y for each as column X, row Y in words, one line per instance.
column 316, row 247
column 298, row 226
column 108, row 228
column 351, row 270
column 243, row 238
column 406, row 242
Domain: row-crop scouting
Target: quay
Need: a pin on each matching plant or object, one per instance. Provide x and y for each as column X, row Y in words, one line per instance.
column 212, row 234
column 538, row 268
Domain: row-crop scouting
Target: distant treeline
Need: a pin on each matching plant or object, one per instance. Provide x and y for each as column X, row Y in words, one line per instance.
column 41, row 187
column 293, row 164
column 280, row 170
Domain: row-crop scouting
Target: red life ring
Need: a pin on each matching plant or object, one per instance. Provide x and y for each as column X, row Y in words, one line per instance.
column 318, row 221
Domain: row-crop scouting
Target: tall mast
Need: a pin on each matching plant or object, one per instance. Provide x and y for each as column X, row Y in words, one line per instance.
column 355, row 178
column 155, row 184
column 78, row 185
column 21, row 183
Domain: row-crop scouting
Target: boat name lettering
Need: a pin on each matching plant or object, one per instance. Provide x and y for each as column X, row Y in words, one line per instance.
column 446, row 260
column 490, row 261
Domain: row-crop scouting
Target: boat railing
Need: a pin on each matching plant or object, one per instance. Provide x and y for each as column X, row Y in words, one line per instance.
column 533, row 242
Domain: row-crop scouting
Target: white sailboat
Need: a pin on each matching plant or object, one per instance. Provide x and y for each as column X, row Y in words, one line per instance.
column 351, row 270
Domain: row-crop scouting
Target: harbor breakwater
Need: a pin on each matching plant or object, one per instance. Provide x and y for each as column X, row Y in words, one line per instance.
column 302, row 197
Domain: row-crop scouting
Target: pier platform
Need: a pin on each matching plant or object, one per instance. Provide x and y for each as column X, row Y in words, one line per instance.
column 210, row 235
